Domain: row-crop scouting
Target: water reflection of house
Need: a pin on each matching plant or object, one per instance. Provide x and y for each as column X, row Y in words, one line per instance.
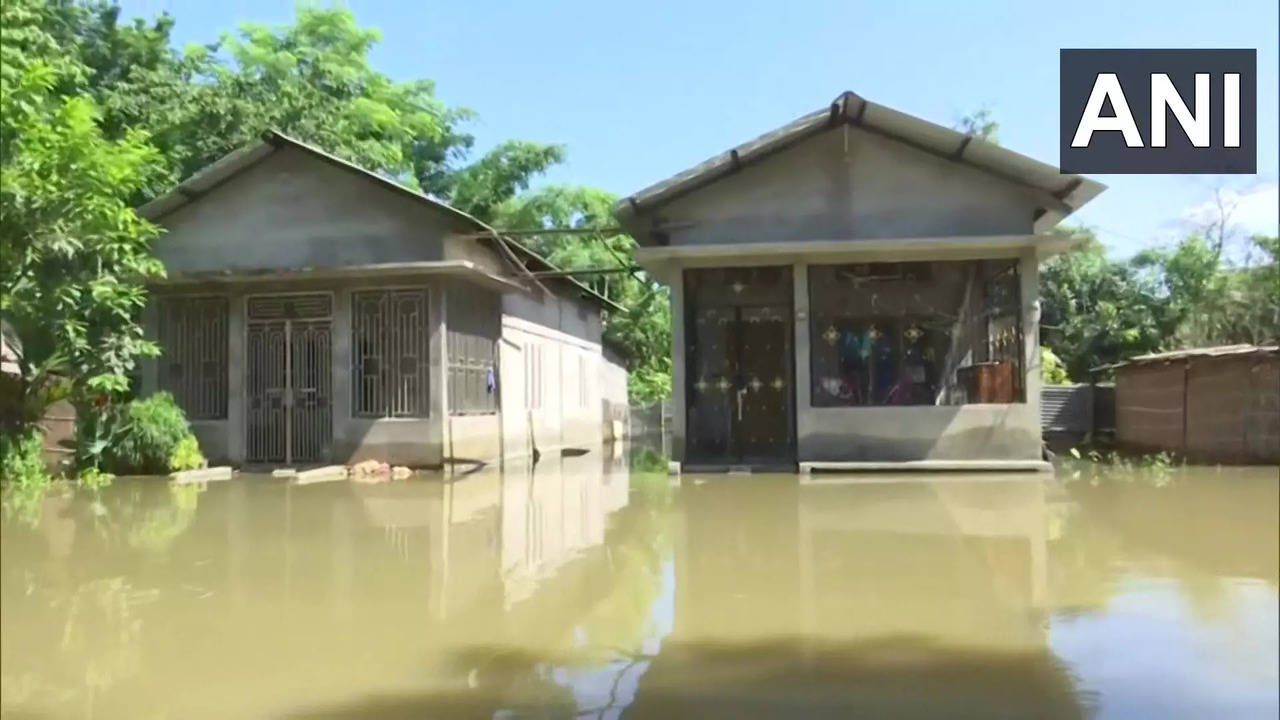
column 868, row 600
column 857, row 286
column 316, row 312
column 549, row 518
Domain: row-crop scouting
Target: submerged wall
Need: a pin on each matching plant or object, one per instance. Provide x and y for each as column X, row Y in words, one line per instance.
column 412, row 441
column 889, row 434
column 922, row 432
column 551, row 360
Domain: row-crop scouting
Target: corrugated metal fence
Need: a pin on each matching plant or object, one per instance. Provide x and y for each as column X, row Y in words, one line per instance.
column 1077, row 409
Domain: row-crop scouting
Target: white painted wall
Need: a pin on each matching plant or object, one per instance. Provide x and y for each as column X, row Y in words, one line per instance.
column 550, row 374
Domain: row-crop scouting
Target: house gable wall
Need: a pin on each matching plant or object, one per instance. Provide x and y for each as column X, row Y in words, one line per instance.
column 295, row 210
column 849, row 183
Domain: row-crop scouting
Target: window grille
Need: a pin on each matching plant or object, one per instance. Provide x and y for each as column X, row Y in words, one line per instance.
column 193, row 368
column 389, row 353
column 290, row 307
column 474, row 321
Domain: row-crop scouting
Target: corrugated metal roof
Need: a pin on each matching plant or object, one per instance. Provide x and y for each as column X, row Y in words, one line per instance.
column 1069, row 192
column 237, row 161
column 1217, row 351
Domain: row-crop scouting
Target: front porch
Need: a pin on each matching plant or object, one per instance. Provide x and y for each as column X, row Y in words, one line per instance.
column 846, row 360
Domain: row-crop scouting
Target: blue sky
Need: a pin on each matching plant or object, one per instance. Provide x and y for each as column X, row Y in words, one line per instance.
column 640, row 91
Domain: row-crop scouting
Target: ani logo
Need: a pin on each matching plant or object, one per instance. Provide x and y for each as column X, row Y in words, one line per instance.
column 1158, row 111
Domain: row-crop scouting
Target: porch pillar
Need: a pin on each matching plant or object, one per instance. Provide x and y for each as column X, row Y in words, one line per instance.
column 237, row 369
column 340, row 371
column 800, row 302
column 678, row 395
column 1029, row 281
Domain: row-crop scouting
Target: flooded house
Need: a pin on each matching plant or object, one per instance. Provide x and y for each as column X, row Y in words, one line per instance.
column 856, row 290
column 315, row 312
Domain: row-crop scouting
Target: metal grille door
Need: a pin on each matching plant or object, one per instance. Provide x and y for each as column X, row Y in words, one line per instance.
column 310, row 413
column 267, row 383
column 289, row 380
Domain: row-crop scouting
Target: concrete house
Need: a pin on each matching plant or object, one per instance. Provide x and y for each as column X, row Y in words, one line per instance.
column 315, row 312
column 856, row 290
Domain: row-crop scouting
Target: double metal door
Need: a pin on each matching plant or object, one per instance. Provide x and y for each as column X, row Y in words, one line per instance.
column 289, row 378
column 739, row 367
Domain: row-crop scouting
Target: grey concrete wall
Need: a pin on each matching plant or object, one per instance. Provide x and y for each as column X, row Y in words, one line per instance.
column 293, row 210
column 848, row 183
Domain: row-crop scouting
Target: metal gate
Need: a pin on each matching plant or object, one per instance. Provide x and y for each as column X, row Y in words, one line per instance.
column 739, row 398
column 289, row 379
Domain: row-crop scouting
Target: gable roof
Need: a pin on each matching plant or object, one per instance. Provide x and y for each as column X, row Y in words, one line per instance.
column 1069, row 192
column 237, row 161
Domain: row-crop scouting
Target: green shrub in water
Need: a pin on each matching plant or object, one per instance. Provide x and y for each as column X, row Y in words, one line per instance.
column 147, row 437
column 23, row 474
column 22, row 461
column 187, row 456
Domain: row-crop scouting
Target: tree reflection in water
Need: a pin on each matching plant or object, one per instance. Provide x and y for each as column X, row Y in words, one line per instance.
column 591, row 587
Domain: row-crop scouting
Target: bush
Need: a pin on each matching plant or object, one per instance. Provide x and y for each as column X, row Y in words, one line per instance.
column 187, row 456
column 22, row 461
column 145, row 437
column 23, row 474
column 1052, row 371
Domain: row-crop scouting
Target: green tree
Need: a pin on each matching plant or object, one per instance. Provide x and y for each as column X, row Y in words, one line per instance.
column 1052, row 371
column 643, row 329
column 1211, row 302
column 1095, row 310
column 980, row 124
column 311, row 80
column 74, row 255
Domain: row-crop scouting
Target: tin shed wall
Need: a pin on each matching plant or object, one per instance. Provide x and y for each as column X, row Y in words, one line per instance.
column 1149, row 407
column 1233, row 409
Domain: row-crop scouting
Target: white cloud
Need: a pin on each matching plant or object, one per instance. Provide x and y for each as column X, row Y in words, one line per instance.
column 1255, row 211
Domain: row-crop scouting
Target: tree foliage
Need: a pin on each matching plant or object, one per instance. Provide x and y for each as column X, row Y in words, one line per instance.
column 643, row 329
column 1096, row 310
column 74, row 256
column 311, row 80
column 981, row 124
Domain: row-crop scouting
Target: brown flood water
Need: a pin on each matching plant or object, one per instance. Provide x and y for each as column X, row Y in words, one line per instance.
column 584, row 589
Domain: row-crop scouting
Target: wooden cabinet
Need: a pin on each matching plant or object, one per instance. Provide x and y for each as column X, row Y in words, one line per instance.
column 988, row 382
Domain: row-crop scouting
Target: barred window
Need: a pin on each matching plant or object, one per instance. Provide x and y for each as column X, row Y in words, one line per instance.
column 193, row 367
column 389, row 356
column 474, row 322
